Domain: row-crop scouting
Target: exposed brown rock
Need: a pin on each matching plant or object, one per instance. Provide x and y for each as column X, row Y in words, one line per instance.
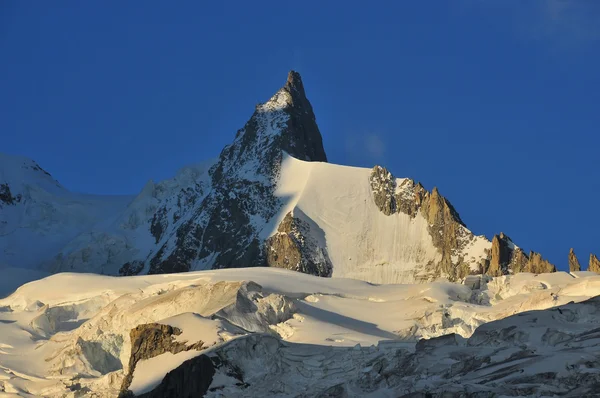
column 411, row 197
column 506, row 258
column 383, row 187
column 500, row 257
column 573, row 262
column 295, row 247
column 518, row 262
column 445, row 229
column 408, row 199
column 594, row 265
column 150, row 340
column 537, row 265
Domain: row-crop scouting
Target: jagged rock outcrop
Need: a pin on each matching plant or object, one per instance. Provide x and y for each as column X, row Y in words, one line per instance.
column 506, row 257
column 448, row 233
column 594, row 265
column 295, row 247
column 518, row 261
column 500, row 256
column 446, row 229
column 573, row 262
column 383, row 186
column 150, row 340
column 410, row 197
column 224, row 231
column 538, row 265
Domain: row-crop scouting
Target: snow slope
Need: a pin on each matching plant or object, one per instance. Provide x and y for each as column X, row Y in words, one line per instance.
column 70, row 333
column 362, row 242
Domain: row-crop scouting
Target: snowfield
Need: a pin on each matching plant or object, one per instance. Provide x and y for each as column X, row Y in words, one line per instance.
column 290, row 334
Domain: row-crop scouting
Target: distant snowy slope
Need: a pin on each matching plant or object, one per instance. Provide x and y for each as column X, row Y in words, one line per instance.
column 124, row 242
column 38, row 216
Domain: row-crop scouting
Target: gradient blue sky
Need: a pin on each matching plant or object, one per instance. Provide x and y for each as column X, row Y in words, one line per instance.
column 495, row 102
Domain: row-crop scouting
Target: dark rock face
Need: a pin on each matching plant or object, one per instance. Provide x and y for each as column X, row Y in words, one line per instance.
column 6, row 196
column 150, row 340
column 594, row 265
column 131, row 268
column 573, row 262
column 190, row 380
column 223, row 230
column 294, row 247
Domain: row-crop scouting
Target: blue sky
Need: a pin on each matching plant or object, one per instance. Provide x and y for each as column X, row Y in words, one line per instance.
column 494, row 102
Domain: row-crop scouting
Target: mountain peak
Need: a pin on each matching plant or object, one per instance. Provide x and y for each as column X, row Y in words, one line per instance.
column 294, row 83
column 291, row 95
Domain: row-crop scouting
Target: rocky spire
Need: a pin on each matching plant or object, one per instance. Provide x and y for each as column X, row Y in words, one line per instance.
column 302, row 138
column 500, row 257
column 537, row 265
column 594, row 265
column 294, row 85
column 285, row 123
column 573, row 262
column 224, row 230
column 506, row 257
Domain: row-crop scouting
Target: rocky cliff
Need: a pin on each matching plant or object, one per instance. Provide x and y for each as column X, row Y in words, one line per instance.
column 573, row 262
column 296, row 247
column 448, row 232
column 538, row 265
column 594, row 264
column 507, row 258
column 150, row 340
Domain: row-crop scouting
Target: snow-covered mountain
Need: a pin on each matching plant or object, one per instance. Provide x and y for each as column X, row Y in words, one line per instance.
column 267, row 332
column 283, row 220
column 38, row 216
column 269, row 199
